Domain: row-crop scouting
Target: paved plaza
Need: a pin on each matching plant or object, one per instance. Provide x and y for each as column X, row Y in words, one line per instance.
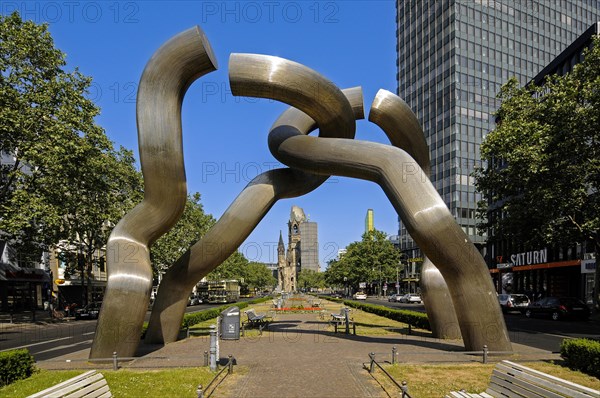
column 299, row 356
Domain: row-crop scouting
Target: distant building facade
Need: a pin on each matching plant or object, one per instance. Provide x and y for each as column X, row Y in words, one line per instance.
column 369, row 221
column 453, row 56
column 551, row 270
column 302, row 252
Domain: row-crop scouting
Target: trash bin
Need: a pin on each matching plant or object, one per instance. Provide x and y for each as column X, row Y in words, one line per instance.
column 230, row 324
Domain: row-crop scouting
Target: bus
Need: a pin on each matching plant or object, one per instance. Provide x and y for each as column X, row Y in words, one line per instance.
column 227, row 291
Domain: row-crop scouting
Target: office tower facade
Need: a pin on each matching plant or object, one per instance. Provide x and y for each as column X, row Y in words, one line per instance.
column 369, row 221
column 453, row 57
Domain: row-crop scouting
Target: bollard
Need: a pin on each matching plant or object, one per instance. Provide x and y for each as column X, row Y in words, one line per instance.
column 199, row 391
column 372, row 366
column 485, row 353
column 354, row 328
column 409, row 329
column 115, row 361
column 205, row 358
column 230, row 364
column 187, row 332
column 213, row 348
column 243, row 330
column 404, row 389
column 394, row 350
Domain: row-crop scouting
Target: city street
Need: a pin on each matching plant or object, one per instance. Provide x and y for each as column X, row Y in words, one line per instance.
column 541, row 333
column 52, row 340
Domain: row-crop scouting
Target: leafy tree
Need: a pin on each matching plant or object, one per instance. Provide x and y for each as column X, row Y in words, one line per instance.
column 192, row 225
column 309, row 279
column 61, row 179
column 373, row 260
column 543, row 160
column 258, row 276
column 252, row 275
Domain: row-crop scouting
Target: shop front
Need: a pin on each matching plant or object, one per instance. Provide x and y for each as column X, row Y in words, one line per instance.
column 23, row 289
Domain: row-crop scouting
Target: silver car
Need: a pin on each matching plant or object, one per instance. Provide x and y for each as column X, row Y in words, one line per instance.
column 513, row 302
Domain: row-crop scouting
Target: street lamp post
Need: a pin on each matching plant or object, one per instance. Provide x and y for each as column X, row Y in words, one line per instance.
column 397, row 280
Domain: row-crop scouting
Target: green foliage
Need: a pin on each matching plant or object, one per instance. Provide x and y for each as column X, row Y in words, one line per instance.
column 63, row 180
column 374, row 258
column 251, row 274
column 413, row 318
column 543, row 159
column 582, row 354
column 192, row 225
column 15, row 365
column 201, row 316
column 309, row 279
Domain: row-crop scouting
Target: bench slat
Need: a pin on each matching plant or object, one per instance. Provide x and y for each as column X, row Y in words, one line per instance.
column 76, row 386
column 546, row 383
column 520, row 387
column 44, row 393
column 92, row 391
column 570, row 386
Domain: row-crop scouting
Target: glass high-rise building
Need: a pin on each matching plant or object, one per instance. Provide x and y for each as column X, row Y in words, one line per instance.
column 453, row 56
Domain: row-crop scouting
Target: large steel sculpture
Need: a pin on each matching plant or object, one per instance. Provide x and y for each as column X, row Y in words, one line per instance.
column 402, row 171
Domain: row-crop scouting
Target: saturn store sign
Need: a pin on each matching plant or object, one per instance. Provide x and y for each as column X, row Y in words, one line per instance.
column 525, row 258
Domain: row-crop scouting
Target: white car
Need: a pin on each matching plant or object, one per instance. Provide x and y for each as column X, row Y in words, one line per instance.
column 410, row 298
column 360, row 296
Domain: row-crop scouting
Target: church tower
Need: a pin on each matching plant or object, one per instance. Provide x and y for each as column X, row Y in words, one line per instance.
column 281, row 264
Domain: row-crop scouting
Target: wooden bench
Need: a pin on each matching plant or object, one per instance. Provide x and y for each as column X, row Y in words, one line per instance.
column 89, row 385
column 513, row 380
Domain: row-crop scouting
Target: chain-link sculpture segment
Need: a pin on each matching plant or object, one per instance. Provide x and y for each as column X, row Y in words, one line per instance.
column 164, row 82
column 253, row 203
column 404, row 131
column 168, row 74
column 423, row 211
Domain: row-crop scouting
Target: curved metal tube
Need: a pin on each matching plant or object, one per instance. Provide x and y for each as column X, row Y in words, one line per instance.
column 253, row 203
column 426, row 216
column 402, row 127
column 166, row 77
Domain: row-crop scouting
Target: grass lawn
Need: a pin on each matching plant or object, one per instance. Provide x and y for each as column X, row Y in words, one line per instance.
column 438, row 380
column 123, row 383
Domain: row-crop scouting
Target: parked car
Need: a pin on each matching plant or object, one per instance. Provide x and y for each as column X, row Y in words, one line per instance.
column 90, row 311
column 558, row 308
column 394, row 298
column 513, row 302
column 410, row 298
column 360, row 296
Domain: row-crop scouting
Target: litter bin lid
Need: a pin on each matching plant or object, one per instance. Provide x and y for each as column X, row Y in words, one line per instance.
column 231, row 311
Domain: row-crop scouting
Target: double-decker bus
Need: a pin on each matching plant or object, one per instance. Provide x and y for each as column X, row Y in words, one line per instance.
column 223, row 291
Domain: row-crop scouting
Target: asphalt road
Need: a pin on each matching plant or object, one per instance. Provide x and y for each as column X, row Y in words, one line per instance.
column 49, row 341
column 542, row 333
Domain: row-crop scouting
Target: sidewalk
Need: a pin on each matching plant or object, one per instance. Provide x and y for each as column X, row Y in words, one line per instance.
column 297, row 357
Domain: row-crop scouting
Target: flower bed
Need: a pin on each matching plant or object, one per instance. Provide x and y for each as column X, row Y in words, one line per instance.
column 297, row 309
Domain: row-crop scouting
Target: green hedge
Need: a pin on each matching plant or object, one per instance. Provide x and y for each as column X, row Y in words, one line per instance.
column 196, row 317
column 582, row 354
column 15, row 365
column 414, row 318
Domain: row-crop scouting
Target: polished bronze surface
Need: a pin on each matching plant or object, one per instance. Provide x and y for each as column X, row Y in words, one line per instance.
column 402, row 127
column 426, row 217
column 168, row 74
column 316, row 103
column 257, row 198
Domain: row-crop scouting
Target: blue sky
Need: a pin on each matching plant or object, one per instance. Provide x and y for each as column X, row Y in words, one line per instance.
column 225, row 138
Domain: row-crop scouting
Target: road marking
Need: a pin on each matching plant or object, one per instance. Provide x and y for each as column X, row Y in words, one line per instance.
column 34, row 344
column 60, row 347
